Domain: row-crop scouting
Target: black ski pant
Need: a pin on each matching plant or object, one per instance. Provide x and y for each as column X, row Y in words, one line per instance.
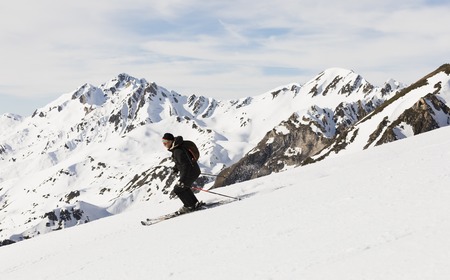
column 186, row 195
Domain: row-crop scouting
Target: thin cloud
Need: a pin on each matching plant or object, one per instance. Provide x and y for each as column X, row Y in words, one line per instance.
column 50, row 47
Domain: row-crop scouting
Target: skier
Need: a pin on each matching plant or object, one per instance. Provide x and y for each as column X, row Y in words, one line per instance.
column 189, row 172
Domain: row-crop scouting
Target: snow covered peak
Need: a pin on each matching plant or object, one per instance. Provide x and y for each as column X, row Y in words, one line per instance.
column 89, row 94
column 8, row 119
column 9, row 122
column 98, row 149
column 332, row 72
column 337, row 81
column 346, row 114
column 123, row 80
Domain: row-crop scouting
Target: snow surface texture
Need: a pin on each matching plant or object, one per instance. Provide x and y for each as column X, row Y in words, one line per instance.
column 97, row 151
column 377, row 214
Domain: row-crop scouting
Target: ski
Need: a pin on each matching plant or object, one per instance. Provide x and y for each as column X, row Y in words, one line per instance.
column 152, row 221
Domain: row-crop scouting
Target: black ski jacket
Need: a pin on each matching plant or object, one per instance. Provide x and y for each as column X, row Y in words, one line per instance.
column 189, row 169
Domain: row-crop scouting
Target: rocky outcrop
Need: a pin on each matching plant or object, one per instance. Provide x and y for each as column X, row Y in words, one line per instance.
column 314, row 135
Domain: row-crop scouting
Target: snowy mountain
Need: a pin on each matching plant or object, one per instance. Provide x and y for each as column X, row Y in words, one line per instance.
column 362, row 121
column 96, row 151
column 378, row 214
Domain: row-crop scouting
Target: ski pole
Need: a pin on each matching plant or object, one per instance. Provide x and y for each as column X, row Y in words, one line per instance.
column 213, row 175
column 200, row 189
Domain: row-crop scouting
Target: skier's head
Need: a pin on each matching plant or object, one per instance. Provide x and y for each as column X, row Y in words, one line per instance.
column 168, row 139
column 168, row 136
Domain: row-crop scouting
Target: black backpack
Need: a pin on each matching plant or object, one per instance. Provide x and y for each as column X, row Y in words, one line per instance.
column 192, row 150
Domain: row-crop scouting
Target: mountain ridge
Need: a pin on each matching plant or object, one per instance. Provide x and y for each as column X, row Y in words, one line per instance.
column 425, row 111
column 97, row 149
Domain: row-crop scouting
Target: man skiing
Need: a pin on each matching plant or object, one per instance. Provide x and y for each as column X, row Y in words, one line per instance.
column 188, row 169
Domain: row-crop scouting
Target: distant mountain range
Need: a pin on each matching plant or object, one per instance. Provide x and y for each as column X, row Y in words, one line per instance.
column 97, row 151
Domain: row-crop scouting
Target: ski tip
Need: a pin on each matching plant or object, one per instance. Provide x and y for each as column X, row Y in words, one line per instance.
column 146, row 223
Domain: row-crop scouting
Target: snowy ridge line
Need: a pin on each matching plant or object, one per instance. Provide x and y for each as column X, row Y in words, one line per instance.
column 96, row 152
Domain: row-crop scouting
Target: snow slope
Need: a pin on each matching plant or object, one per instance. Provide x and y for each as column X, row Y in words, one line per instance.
column 97, row 150
column 377, row 214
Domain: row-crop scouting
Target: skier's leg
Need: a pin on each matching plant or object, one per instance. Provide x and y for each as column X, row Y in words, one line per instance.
column 191, row 198
column 187, row 197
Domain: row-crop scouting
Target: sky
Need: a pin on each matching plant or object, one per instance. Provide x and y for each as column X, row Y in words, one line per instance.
column 221, row 49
